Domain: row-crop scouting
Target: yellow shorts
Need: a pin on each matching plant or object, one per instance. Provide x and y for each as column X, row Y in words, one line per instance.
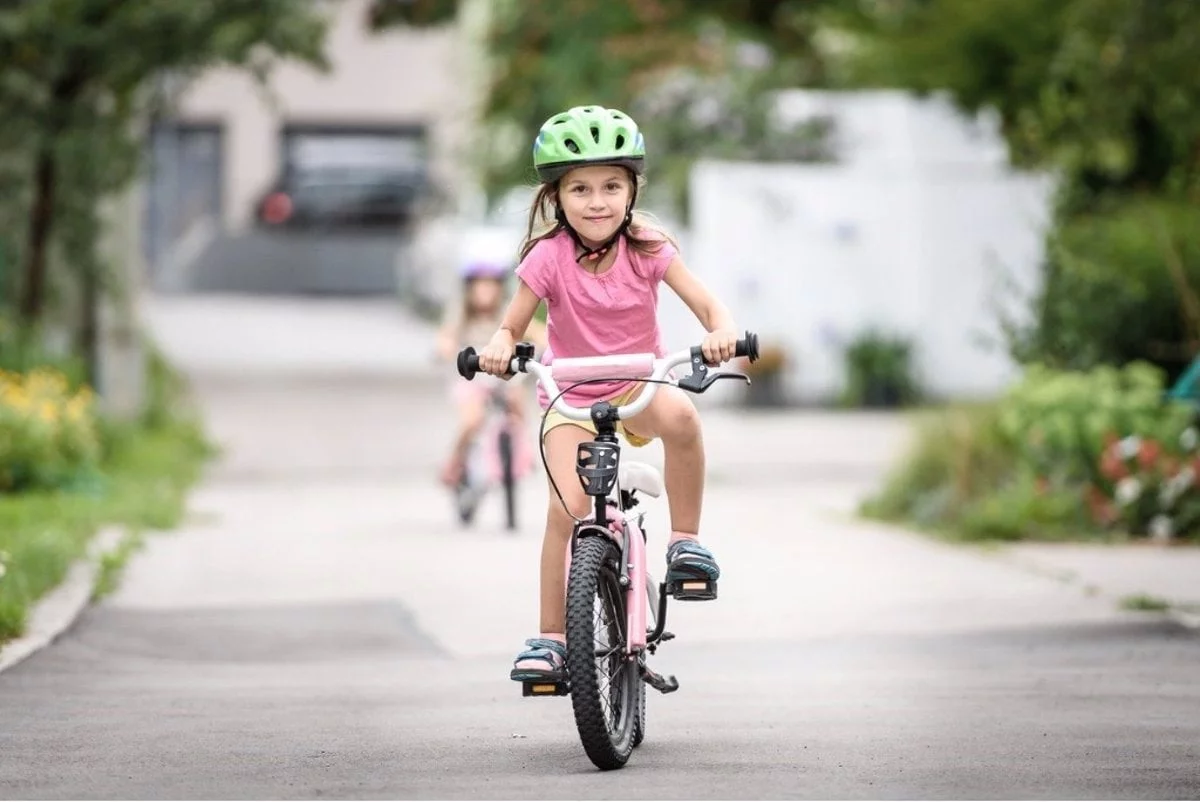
column 555, row 419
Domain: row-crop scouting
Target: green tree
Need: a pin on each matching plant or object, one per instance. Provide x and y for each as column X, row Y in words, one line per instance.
column 684, row 69
column 1106, row 95
column 78, row 76
column 1105, row 91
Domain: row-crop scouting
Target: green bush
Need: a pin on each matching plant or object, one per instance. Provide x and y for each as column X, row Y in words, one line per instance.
column 1062, row 454
column 1119, row 285
column 879, row 371
column 48, row 433
column 141, row 473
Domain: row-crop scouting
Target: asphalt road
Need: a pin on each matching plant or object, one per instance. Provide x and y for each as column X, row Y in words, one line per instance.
column 321, row 628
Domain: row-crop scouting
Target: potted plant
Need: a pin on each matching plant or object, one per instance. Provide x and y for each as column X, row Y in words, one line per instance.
column 766, row 377
column 879, row 372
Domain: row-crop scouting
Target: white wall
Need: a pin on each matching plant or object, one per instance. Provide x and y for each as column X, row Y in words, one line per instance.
column 904, row 233
column 403, row 76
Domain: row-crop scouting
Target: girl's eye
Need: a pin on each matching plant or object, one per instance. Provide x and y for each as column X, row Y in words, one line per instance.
column 614, row 187
column 579, row 189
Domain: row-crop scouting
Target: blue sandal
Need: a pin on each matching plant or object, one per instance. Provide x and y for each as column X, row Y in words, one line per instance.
column 544, row 661
column 687, row 559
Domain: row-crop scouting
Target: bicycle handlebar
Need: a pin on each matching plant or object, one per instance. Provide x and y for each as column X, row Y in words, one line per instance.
column 645, row 366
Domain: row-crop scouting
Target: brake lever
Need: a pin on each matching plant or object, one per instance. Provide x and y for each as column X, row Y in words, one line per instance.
column 701, row 378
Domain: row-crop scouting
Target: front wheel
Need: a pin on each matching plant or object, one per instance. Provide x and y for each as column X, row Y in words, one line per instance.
column 508, row 478
column 605, row 682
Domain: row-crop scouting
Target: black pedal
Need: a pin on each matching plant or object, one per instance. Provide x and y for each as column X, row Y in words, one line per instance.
column 543, row 688
column 693, row 589
column 658, row 682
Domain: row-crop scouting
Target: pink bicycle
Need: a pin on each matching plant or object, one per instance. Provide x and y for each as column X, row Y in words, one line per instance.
column 616, row 615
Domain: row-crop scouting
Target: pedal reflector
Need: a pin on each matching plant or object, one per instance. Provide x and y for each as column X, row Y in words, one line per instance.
column 545, row 689
column 693, row 589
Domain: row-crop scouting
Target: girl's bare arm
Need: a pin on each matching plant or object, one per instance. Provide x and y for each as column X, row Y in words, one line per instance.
column 721, row 342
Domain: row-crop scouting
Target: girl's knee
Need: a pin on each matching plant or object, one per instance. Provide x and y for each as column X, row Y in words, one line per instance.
column 562, row 519
column 680, row 424
column 470, row 417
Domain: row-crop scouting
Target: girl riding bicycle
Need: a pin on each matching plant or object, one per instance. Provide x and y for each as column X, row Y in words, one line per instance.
column 598, row 265
column 473, row 320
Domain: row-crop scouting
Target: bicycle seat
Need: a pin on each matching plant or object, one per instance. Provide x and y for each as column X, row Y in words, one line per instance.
column 641, row 477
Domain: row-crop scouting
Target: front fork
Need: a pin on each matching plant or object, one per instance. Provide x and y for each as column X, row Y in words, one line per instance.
column 639, row 589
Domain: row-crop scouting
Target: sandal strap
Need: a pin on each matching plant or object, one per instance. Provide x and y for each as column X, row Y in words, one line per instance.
column 684, row 547
column 544, row 649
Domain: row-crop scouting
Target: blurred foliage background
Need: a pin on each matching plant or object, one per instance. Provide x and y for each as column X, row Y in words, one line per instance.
column 1101, row 93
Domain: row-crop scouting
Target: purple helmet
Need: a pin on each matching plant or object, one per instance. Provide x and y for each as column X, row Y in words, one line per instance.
column 481, row 269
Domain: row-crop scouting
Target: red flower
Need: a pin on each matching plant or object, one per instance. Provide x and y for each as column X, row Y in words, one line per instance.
column 1113, row 467
column 1100, row 506
column 1148, row 454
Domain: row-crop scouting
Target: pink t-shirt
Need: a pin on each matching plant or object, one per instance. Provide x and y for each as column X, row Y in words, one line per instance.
column 615, row 312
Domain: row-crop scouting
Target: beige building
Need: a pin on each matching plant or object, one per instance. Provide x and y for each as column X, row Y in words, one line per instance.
column 405, row 94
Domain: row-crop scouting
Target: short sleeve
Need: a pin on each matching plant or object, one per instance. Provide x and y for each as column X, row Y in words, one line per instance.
column 537, row 269
column 653, row 266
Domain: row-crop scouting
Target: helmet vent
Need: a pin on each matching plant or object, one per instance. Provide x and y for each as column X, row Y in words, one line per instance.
column 571, row 146
column 596, row 134
column 620, row 141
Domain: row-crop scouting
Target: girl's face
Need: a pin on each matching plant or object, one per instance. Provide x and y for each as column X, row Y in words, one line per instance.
column 484, row 294
column 595, row 199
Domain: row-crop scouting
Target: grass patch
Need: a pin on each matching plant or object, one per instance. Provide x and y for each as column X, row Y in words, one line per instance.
column 1145, row 603
column 147, row 469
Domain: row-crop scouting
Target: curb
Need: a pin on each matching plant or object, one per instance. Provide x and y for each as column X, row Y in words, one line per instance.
column 1182, row 614
column 55, row 612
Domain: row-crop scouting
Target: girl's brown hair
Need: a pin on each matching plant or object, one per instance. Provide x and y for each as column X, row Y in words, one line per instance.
column 543, row 217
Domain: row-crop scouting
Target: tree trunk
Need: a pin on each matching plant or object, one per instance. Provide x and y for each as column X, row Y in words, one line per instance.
column 63, row 94
column 41, row 218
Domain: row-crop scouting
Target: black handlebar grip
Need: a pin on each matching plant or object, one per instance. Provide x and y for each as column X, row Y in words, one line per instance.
column 468, row 363
column 747, row 347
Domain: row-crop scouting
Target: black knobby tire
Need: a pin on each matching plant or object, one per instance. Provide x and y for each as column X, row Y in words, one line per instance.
column 465, row 501
column 639, row 722
column 603, row 695
column 509, row 479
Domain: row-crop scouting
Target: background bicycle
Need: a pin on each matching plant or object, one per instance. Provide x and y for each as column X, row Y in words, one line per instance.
column 500, row 456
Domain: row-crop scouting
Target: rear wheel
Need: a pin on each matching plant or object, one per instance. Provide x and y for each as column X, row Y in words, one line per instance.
column 604, row 683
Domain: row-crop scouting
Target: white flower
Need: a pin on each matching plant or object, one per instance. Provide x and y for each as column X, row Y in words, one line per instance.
column 1129, row 447
column 1189, row 439
column 1176, row 486
column 1129, row 490
column 1161, row 527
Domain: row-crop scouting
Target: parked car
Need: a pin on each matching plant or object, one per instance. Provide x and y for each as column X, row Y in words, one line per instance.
column 342, row 197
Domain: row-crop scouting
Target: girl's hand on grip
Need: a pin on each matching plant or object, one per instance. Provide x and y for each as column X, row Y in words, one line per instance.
column 719, row 346
column 497, row 355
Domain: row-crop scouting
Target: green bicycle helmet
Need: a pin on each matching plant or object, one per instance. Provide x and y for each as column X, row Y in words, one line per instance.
column 587, row 135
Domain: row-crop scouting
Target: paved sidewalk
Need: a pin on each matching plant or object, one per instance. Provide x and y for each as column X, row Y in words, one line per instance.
column 1155, row 574
column 324, row 346
column 320, row 627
